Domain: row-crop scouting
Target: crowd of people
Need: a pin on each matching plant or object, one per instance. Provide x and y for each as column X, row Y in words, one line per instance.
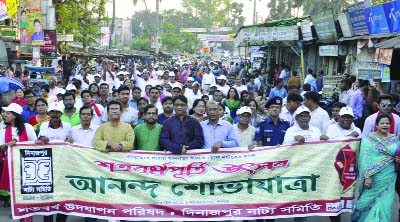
column 123, row 107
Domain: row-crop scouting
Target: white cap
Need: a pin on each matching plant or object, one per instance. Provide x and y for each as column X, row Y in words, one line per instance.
column 195, row 83
column 223, row 77
column 13, row 107
column 346, row 111
column 190, row 79
column 177, row 86
column 70, row 87
column 97, row 75
column 171, row 74
column 120, row 73
column 213, row 85
column 156, row 66
column 301, row 109
column 244, row 109
column 122, row 67
column 60, row 91
column 55, row 106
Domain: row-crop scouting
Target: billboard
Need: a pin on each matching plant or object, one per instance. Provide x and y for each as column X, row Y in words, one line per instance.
column 49, row 50
column 31, row 23
column 376, row 20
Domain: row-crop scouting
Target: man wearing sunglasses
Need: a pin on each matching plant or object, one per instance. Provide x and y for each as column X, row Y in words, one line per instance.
column 385, row 106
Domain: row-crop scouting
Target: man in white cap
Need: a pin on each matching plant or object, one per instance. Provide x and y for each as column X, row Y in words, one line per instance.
column 143, row 81
column 97, row 78
column 223, row 87
column 55, row 129
column 172, row 80
column 120, row 79
column 245, row 133
column 208, row 80
column 344, row 128
column 302, row 131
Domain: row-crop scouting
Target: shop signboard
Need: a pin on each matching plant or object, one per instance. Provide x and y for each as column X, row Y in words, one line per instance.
column 193, row 30
column 306, row 30
column 392, row 13
column 357, row 19
column 328, row 50
column 368, row 70
column 324, row 26
column 7, row 31
column 376, row 20
column 49, row 50
column 344, row 22
column 267, row 34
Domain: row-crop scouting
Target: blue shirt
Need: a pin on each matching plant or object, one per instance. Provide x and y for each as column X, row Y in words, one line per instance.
column 133, row 104
column 271, row 134
column 161, row 118
column 278, row 92
column 356, row 103
column 176, row 133
column 223, row 131
column 27, row 113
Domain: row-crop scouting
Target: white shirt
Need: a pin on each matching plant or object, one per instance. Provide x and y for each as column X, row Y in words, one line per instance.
column 245, row 137
column 30, row 132
column 287, row 116
column 208, row 79
column 224, row 89
column 320, row 119
column 336, row 132
column 60, row 133
column 369, row 125
column 129, row 115
column 240, row 88
column 344, row 97
column 96, row 120
column 310, row 134
column 83, row 137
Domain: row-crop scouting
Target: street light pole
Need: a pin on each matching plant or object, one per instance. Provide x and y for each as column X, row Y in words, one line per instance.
column 254, row 11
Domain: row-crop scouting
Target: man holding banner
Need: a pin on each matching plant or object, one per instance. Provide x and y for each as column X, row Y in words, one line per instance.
column 114, row 135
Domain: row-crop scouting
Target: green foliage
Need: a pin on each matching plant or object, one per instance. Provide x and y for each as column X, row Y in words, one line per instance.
column 210, row 12
column 81, row 18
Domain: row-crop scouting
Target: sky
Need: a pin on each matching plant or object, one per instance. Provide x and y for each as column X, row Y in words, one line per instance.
column 125, row 8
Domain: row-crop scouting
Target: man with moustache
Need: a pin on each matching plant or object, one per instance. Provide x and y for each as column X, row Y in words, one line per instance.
column 114, row 135
column 217, row 133
column 271, row 131
column 55, row 129
column 71, row 113
column 83, row 133
column 181, row 132
column 148, row 134
column 168, row 107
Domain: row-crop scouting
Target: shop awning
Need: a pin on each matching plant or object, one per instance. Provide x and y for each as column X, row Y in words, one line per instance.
column 390, row 43
column 385, row 35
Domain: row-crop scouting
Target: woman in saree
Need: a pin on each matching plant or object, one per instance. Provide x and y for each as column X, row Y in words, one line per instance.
column 377, row 174
column 41, row 117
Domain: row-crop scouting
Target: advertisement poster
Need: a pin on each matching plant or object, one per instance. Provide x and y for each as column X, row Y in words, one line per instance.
column 105, row 38
column 324, row 26
column 299, row 180
column 392, row 12
column 31, row 23
column 49, row 50
column 3, row 10
column 357, row 18
column 376, row 20
column 385, row 73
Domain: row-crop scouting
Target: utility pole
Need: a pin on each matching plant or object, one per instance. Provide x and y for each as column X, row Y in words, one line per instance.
column 157, row 25
column 112, row 26
column 254, row 11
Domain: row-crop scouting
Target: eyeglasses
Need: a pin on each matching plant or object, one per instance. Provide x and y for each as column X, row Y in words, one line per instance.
column 384, row 105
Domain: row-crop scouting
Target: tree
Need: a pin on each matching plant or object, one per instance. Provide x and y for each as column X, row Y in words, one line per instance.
column 236, row 19
column 210, row 12
column 80, row 18
column 311, row 7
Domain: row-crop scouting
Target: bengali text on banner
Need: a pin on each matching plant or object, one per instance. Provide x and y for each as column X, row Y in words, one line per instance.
column 316, row 178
